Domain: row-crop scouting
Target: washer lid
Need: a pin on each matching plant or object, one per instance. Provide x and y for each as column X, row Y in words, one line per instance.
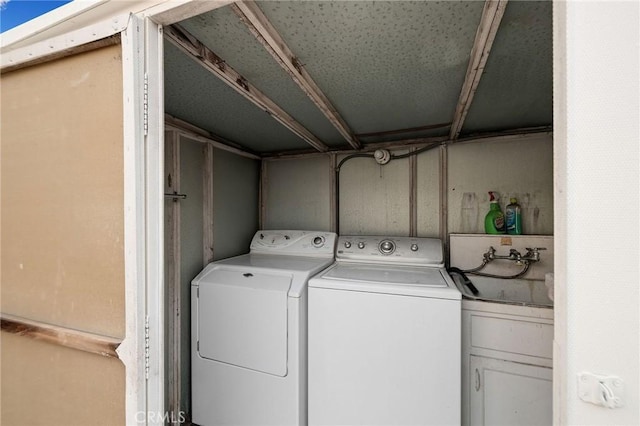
column 242, row 319
column 388, row 279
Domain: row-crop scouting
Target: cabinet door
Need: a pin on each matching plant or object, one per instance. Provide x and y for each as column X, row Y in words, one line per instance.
column 509, row 393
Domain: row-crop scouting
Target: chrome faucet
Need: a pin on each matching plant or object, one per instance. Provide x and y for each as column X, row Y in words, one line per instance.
column 532, row 255
column 491, row 255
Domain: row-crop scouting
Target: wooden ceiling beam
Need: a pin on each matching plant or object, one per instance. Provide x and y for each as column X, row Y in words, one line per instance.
column 503, row 135
column 485, row 35
column 272, row 41
column 196, row 133
column 193, row 47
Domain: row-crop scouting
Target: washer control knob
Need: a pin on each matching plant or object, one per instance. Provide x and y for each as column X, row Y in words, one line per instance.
column 387, row 247
column 347, row 244
column 360, row 245
column 414, row 247
column 318, row 241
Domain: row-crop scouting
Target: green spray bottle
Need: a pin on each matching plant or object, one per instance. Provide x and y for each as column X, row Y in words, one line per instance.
column 494, row 220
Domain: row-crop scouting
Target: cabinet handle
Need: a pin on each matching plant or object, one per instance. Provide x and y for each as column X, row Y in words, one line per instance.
column 477, row 380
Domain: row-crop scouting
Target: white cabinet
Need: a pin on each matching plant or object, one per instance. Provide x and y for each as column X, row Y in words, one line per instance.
column 509, row 393
column 506, row 364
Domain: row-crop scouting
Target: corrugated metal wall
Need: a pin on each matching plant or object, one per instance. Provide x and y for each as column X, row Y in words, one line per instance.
column 375, row 199
column 63, row 236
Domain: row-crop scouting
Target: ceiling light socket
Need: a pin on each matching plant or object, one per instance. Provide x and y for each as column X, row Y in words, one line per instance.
column 382, row 156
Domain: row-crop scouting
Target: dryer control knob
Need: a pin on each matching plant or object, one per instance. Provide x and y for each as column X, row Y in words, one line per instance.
column 387, row 247
column 318, row 241
column 360, row 245
column 414, row 247
column 347, row 244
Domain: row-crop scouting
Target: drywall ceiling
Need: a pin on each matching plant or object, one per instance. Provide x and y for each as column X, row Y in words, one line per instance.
column 376, row 66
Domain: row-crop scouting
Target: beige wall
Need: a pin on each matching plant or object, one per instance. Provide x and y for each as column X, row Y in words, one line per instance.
column 45, row 384
column 62, row 216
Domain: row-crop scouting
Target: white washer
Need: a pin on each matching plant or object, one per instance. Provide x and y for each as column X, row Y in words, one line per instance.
column 384, row 336
column 249, row 324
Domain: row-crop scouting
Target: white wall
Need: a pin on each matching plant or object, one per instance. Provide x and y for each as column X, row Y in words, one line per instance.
column 297, row 194
column 235, row 203
column 375, row 199
column 235, row 221
column 467, row 250
column 597, row 272
column 520, row 167
column 428, row 194
column 191, row 263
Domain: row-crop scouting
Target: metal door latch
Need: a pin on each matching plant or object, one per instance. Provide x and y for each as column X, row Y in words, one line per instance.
column 606, row 391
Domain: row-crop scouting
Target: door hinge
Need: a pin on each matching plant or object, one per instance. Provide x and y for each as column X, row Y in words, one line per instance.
column 146, row 347
column 145, row 113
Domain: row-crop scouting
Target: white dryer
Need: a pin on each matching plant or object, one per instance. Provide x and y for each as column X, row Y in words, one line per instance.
column 385, row 336
column 249, row 325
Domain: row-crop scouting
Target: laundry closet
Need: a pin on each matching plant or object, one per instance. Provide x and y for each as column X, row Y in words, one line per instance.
column 253, row 142
column 175, row 130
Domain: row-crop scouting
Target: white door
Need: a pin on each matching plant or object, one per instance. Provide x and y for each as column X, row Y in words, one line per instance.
column 142, row 351
column 242, row 319
column 509, row 393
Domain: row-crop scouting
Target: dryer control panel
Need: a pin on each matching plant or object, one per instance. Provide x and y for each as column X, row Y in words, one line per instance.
column 391, row 250
column 294, row 243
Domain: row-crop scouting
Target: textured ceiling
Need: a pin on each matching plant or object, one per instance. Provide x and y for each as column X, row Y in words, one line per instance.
column 516, row 88
column 384, row 65
column 222, row 32
column 193, row 94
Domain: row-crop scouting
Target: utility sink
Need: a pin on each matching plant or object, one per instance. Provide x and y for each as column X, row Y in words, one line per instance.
column 514, row 291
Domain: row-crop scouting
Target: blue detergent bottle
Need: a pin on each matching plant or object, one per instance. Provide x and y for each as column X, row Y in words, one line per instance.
column 513, row 213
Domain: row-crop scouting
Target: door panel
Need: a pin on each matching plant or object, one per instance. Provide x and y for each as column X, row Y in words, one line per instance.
column 509, row 393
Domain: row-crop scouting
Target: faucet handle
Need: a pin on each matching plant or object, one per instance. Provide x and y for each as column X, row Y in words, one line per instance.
column 533, row 254
column 489, row 255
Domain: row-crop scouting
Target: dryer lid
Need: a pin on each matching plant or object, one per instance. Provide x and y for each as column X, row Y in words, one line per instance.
column 242, row 319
